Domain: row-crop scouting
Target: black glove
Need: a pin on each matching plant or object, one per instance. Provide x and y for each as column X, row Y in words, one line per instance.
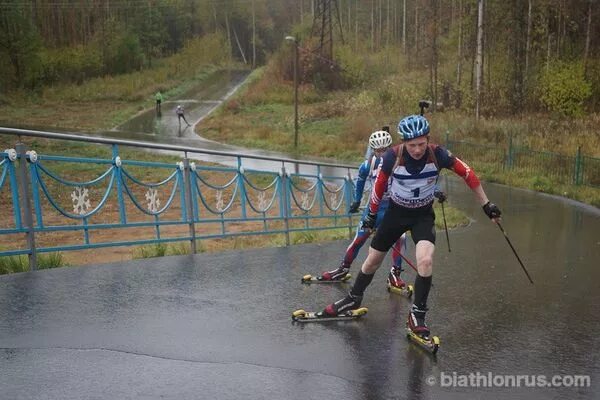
column 354, row 207
column 441, row 196
column 491, row 210
column 369, row 221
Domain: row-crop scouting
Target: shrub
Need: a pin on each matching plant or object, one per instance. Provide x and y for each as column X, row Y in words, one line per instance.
column 564, row 89
column 542, row 184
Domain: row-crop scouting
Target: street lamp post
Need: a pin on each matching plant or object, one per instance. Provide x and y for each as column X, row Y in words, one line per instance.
column 295, row 42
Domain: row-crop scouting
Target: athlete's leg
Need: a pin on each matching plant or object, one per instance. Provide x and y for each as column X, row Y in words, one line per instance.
column 350, row 255
column 423, row 233
column 394, row 278
column 357, row 243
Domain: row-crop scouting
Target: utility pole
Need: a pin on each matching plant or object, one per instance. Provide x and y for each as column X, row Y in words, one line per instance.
column 322, row 27
column 295, row 43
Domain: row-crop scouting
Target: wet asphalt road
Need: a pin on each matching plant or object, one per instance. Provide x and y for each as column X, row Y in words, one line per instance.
column 217, row 326
column 199, row 102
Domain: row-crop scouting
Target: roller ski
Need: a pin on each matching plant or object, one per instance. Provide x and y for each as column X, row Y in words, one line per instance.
column 338, row 275
column 418, row 332
column 319, row 279
column 344, row 309
column 311, row 316
column 396, row 285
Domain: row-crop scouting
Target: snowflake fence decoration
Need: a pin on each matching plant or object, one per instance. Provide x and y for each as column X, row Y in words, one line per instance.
column 80, row 199
column 220, row 202
column 262, row 202
column 304, row 200
column 153, row 200
column 333, row 200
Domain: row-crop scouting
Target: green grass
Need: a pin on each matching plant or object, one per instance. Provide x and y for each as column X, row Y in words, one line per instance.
column 12, row 264
column 165, row 249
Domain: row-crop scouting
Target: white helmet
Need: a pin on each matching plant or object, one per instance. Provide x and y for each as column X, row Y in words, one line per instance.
column 380, row 140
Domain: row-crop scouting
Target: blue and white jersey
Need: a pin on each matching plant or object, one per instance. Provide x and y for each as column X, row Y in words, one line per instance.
column 414, row 190
column 368, row 171
column 413, row 181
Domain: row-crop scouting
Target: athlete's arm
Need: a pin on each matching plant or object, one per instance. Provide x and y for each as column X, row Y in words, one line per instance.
column 363, row 174
column 462, row 169
column 383, row 176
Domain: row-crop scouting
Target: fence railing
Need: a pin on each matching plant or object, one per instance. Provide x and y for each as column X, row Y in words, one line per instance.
column 120, row 201
column 559, row 168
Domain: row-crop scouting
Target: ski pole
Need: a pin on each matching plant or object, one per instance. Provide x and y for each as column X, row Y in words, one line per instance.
column 515, row 252
column 405, row 259
column 446, row 227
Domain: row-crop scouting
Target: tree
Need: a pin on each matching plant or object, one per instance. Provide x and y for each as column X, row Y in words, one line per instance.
column 20, row 43
column 479, row 58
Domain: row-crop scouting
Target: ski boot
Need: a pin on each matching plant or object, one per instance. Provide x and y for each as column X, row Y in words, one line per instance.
column 340, row 307
column 416, row 323
column 417, row 331
column 395, row 284
column 340, row 274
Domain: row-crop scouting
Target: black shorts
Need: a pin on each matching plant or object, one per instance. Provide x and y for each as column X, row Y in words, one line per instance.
column 398, row 220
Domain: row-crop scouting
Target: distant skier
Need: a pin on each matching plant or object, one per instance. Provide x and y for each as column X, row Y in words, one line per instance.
column 180, row 115
column 159, row 99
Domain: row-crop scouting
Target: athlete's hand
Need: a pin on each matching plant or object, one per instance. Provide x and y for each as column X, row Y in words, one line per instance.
column 441, row 196
column 492, row 210
column 354, row 207
column 369, row 221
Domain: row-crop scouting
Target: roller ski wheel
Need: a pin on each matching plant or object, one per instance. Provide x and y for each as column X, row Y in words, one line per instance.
column 431, row 344
column 407, row 290
column 311, row 316
column 317, row 279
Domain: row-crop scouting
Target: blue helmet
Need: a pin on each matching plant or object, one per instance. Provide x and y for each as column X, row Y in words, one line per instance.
column 413, row 126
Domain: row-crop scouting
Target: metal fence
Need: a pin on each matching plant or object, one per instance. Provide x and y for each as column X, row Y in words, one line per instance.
column 558, row 168
column 189, row 202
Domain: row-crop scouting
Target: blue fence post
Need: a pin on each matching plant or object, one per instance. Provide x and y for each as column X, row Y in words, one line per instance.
column 320, row 192
column 187, row 185
column 194, row 189
column 181, row 181
column 35, row 193
column 14, row 187
column 117, row 164
column 349, row 187
column 509, row 156
column 288, row 188
column 86, row 234
column 242, row 187
column 578, row 168
column 283, row 206
column 26, row 202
